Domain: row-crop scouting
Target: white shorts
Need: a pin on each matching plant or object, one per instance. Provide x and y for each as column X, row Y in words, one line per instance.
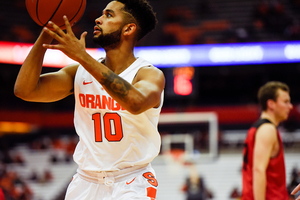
column 134, row 183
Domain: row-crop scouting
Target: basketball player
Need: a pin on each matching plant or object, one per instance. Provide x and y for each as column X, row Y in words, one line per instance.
column 263, row 167
column 295, row 190
column 117, row 102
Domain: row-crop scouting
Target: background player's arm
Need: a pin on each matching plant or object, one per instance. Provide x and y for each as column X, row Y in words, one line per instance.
column 265, row 139
column 32, row 86
column 295, row 190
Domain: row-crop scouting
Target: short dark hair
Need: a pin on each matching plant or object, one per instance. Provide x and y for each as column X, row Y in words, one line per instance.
column 270, row 91
column 143, row 13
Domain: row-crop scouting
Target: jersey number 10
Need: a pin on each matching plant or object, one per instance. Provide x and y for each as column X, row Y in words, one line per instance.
column 112, row 127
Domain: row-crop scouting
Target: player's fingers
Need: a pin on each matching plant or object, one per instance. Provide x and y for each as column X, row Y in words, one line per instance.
column 295, row 190
column 56, row 29
column 53, row 34
column 51, row 46
column 82, row 37
column 68, row 25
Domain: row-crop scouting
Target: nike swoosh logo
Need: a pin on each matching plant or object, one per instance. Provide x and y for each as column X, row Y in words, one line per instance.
column 130, row 182
column 85, row 83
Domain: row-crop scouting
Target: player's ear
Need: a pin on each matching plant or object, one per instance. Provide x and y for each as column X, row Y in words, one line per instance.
column 271, row 104
column 129, row 29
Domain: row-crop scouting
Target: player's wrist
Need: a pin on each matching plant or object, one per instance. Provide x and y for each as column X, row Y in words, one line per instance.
column 85, row 59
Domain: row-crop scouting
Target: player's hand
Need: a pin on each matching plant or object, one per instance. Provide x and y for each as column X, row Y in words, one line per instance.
column 297, row 189
column 67, row 41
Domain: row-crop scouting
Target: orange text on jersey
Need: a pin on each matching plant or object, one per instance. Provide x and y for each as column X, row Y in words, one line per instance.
column 99, row 102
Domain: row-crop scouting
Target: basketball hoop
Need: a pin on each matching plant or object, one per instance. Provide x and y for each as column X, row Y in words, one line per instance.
column 174, row 159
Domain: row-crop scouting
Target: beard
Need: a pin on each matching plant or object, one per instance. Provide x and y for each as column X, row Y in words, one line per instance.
column 109, row 40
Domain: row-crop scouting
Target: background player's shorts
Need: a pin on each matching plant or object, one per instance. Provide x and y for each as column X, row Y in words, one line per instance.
column 139, row 184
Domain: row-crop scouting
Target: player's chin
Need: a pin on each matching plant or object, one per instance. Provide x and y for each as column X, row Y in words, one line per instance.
column 286, row 117
column 96, row 35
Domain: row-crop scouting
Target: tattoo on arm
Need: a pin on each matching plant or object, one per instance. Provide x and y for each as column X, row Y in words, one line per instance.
column 116, row 84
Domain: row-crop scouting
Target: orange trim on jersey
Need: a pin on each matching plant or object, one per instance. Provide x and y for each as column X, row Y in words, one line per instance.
column 151, row 192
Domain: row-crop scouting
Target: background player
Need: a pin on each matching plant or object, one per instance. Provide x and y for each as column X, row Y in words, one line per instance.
column 263, row 167
column 117, row 101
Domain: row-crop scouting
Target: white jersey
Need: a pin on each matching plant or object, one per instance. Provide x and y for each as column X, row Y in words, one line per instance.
column 111, row 138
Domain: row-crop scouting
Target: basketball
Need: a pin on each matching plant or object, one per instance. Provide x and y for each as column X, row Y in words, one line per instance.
column 42, row 11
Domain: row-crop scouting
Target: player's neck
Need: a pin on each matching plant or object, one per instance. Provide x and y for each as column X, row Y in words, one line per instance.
column 118, row 60
column 270, row 117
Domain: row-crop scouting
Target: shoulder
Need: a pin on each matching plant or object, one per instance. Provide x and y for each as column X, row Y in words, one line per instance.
column 150, row 72
column 267, row 132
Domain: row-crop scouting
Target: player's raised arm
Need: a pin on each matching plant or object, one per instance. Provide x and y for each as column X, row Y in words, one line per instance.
column 144, row 93
column 150, row 83
column 30, row 85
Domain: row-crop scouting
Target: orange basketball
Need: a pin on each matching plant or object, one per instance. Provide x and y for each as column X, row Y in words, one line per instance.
column 42, row 11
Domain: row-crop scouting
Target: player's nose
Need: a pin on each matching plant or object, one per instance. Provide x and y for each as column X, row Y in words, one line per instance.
column 99, row 20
